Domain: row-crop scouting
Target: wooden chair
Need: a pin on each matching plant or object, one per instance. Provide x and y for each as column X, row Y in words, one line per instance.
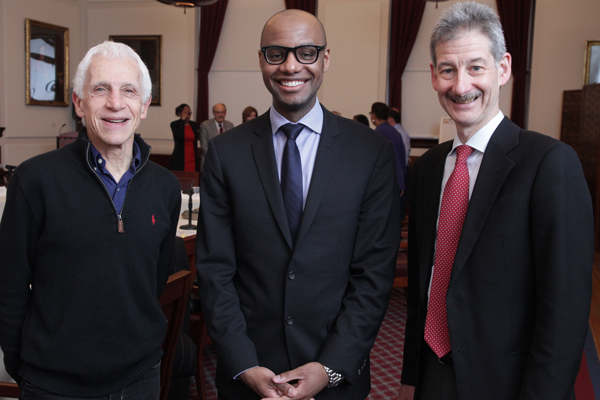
column 9, row 390
column 66, row 138
column 173, row 302
column 201, row 338
column 401, row 276
column 199, row 331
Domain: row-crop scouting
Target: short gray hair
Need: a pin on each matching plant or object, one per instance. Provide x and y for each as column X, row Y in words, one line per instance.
column 112, row 50
column 466, row 17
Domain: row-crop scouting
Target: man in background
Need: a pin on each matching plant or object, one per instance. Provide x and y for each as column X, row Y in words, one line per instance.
column 213, row 127
column 394, row 119
column 379, row 118
column 86, row 239
column 501, row 238
column 298, row 234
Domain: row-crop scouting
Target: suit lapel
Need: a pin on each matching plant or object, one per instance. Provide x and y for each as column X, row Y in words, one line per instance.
column 495, row 167
column 327, row 153
column 264, row 157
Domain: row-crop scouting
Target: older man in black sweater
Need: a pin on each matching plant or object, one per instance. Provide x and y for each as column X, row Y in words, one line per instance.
column 86, row 238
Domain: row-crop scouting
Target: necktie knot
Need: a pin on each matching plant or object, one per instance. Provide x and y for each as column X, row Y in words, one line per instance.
column 463, row 152
column 292, row 130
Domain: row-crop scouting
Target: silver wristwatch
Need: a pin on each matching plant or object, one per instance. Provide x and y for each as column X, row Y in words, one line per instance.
column 334, row 377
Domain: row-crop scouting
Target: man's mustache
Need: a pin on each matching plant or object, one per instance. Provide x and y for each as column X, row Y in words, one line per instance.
column 465, row 98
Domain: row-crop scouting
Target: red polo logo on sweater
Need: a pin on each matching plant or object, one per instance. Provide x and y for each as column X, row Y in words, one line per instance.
column 153, row 220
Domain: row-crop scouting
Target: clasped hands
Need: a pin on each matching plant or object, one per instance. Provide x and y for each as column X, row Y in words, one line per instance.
column 309, row 379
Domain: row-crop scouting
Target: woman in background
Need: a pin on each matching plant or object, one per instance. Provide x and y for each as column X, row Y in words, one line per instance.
column 186, row 137
column 249, row 113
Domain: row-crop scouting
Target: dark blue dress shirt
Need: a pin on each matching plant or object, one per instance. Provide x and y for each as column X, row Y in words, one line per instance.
column 117, row 190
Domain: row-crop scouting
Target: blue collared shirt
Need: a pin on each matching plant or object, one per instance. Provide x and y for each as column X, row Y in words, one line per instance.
column 307, row 142
column 117, row 190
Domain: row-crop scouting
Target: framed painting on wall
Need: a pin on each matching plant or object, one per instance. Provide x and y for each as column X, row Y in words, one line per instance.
column 149, row 48
column 47, row 64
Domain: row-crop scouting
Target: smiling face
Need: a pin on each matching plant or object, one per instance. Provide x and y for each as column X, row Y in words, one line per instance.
column 468, row 81
column 112, row 102
column 293, row 85
column 219, row 112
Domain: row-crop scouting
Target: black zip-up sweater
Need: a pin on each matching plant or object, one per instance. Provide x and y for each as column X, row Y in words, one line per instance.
column 91, row 323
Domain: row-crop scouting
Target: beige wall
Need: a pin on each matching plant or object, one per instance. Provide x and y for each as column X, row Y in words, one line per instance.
column 357, row 34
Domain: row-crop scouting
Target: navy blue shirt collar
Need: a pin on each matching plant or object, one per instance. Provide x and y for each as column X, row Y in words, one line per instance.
column 117, row 190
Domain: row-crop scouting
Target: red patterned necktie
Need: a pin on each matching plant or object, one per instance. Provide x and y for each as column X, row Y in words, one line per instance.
column 220, row 128
column 452, row 215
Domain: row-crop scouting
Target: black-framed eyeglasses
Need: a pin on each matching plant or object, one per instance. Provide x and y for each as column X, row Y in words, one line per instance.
column 307, row 54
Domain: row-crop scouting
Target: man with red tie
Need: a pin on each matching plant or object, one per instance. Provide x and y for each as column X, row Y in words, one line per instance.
column 500, row 239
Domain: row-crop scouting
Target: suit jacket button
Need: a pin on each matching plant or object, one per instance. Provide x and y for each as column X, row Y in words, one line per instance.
column 292, row 275
column 289, row 320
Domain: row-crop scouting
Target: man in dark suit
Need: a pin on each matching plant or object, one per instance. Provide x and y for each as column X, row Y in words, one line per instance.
column 500, row 238
column 213, row 127
column 297, row 238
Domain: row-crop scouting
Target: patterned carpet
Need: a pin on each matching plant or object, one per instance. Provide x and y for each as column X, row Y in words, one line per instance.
column 386, row 356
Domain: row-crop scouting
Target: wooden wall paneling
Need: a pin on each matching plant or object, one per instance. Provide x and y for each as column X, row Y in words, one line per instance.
column 590, row 147
column 570, row 127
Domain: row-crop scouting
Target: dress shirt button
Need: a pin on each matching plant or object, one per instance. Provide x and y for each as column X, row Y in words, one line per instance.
column 292, row 275
column 289, row 320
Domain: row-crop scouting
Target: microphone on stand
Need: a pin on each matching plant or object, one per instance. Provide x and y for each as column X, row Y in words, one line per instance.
column 190, row 191
column 63, row 125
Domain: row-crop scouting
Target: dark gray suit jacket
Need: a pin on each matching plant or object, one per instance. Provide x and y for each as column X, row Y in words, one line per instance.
column 519, row 294
column 270, row 304
column 208, row 130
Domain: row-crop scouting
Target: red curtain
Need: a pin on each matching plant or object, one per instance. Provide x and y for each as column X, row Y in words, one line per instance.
column 517, row 21
column 211, row 22
column 310, row 6
column 405, row 21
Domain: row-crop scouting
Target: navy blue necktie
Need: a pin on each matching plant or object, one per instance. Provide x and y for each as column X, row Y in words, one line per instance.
column 291, row 178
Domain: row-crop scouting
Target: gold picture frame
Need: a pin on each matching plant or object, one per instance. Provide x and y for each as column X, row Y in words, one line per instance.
column 591, row 72
column 47, row 64
column 149, row 48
